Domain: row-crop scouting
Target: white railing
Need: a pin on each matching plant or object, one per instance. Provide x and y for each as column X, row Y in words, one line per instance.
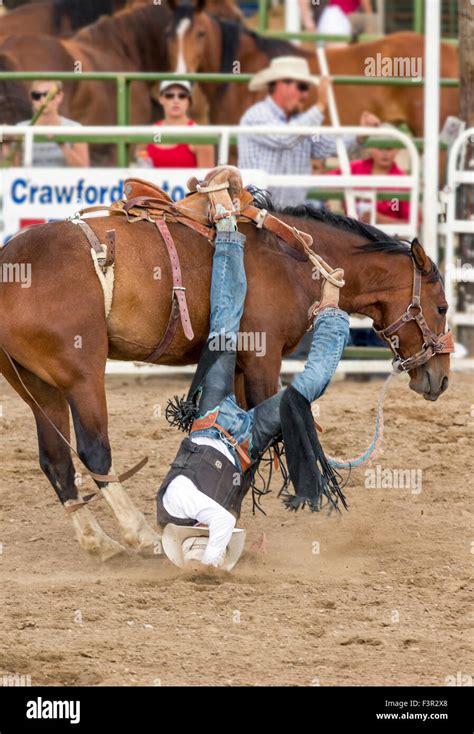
column 410, row 182
column 455, row 272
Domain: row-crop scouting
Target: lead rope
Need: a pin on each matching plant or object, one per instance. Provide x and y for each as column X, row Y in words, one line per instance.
column 377, row 440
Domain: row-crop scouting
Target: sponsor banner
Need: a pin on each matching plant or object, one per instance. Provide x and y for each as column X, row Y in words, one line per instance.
column 38, row 195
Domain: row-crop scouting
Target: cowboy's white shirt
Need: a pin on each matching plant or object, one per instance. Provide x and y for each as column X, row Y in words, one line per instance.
column 184, row 500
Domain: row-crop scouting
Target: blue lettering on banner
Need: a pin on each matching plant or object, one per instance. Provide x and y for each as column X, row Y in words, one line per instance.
column 22, row 192
column 15, row 196
column 178, row 193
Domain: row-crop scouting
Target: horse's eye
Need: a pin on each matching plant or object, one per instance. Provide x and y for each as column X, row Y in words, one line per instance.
column 442, row 310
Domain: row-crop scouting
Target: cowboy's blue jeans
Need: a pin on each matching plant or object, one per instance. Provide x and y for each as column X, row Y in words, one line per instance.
column 330, row 337
column 228, row 291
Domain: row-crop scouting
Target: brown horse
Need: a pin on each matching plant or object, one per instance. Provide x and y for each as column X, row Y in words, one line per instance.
column 55, row 17
column 59, row 338
column 63, row 17
column 143, row 38
column 228, row 9
column 394, row 104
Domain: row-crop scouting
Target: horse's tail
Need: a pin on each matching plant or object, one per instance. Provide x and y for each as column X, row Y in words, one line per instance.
column 15, row 105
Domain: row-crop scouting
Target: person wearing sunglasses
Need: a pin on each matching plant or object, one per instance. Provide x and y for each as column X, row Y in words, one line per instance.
column 288, row 81
column 175, row 98
column 51, row 154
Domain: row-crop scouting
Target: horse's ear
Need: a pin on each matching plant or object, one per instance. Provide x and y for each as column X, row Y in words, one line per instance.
column 199, row 5
column 422, row 261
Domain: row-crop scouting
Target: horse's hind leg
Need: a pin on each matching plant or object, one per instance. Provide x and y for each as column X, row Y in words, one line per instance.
column 55, row 457
column 89, row 412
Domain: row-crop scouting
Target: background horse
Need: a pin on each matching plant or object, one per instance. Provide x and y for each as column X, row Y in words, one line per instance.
column 56, row 17
column 57, row 334
column 143, row 38
column 394, row 104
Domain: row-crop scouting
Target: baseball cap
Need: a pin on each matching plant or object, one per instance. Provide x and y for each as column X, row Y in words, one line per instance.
column 172, row 83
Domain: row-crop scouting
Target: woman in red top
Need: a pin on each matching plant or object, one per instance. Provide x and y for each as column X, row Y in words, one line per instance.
column 175, row 98
column 381, row 162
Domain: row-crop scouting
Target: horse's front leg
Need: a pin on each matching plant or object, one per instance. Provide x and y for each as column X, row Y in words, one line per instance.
column 89, row 412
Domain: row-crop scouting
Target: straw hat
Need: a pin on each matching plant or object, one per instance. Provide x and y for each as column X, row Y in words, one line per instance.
column 184, row 544
column 283, row 67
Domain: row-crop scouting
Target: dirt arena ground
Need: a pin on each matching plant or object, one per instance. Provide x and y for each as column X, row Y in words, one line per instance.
column 384, row 601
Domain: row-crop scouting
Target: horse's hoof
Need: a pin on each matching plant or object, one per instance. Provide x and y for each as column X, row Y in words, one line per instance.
column 102, row 547
column 111, row 549
column 145, row 539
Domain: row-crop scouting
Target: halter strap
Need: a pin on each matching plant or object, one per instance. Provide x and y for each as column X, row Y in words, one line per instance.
column 432, row 343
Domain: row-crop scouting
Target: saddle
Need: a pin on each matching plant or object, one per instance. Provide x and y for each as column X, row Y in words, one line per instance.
column 223, row 185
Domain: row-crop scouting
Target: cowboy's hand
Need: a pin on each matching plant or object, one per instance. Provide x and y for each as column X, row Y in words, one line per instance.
column 323, row 90
column 369, row 119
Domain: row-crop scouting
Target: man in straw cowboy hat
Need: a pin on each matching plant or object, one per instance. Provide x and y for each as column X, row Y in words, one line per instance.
column 213, row 467
column 288, row 80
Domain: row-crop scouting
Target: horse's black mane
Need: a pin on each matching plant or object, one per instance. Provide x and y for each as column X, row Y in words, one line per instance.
column 81, row 12
column 375, row 239
column 272, row 47
column 231, row 32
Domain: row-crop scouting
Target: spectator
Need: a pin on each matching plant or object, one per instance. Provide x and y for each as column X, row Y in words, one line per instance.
column 54, row 154
column 335, row 19
column 381, row 162
column 175, row 98
column 310, row 13
column 288, row 80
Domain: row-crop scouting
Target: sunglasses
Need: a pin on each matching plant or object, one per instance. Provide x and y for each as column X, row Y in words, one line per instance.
column 301, row 86
column 176, row 95
column 38, row 95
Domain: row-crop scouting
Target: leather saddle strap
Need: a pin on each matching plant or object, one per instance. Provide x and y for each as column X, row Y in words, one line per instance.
column 178, row 299
column 288, row 234
column 169, row 334
column 91, row 236
column 179, row 290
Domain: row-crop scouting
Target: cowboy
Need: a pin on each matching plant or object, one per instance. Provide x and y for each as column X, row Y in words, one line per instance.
column 288, row 80
column 209, row 477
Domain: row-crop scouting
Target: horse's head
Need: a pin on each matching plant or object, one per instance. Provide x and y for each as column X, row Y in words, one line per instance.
column 414, row 323
column 190, row 30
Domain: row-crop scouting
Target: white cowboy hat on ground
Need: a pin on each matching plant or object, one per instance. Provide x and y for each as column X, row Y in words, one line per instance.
column 283, row 67
column 184, row 544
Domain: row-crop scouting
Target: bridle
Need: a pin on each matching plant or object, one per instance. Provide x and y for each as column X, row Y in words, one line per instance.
column 432, row 343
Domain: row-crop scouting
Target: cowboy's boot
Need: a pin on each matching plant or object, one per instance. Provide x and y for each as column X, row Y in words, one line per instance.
column 223, row 186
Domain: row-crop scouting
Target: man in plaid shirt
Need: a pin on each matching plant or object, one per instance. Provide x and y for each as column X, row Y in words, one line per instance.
column 288, row 80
